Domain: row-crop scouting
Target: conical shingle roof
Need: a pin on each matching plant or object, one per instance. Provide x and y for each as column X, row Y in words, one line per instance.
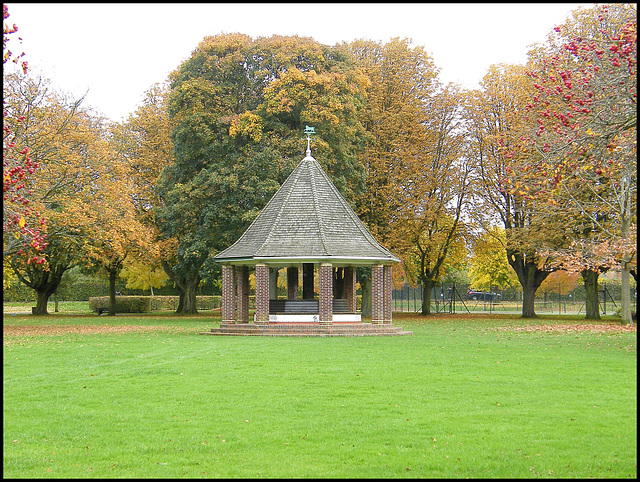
column 307, row 220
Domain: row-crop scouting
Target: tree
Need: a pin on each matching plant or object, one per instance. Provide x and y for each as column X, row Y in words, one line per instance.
column 581, row 156
column 69, row 148
column 113, row 230
column 433, row 193
column 488, row 265
column 143, row 143
column 140, row 274
column 415, row 178
column 401, row 81
column 495, row 124
column 560, row 282
column 19, row 220
column 238, row 108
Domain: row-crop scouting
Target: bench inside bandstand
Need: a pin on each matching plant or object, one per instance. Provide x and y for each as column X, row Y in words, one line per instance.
column 307, row 311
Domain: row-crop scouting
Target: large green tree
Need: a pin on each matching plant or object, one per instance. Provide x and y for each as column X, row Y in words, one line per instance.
column 239, row 107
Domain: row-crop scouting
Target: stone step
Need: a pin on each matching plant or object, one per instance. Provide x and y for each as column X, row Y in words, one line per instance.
column 307, row 329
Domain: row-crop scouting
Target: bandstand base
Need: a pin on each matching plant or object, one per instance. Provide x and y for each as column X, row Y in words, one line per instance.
column 308, row 329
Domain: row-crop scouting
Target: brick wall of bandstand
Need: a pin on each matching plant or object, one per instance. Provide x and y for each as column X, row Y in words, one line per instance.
column 235, row 292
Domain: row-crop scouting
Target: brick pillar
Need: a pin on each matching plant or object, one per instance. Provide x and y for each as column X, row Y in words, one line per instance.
column 325, row 302
column 262, row 293
column 307, row 281
column 242, row 275
column 377, row 293
column 350, row 288
column 228, row 294
column 292, row 283
column 388, row 291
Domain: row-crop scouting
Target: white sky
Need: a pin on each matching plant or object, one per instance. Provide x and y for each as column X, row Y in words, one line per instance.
column 118, row 51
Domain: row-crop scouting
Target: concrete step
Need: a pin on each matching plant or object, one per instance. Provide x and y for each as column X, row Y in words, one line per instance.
column 307, row 329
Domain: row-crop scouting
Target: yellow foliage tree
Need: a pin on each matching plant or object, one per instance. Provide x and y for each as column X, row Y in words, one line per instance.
column 488, row 265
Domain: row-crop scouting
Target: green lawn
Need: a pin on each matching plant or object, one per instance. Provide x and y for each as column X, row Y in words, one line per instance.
column 465, row 396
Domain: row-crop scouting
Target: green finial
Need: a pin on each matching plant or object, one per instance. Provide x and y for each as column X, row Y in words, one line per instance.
column 308, row 131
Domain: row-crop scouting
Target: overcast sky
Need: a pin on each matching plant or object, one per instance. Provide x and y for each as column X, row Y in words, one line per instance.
column 118, row 51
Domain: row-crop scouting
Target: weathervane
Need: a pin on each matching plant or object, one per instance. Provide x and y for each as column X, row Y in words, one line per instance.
column 309, row 131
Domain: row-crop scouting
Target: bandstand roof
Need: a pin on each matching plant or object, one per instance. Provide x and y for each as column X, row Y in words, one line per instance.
column 307, row 221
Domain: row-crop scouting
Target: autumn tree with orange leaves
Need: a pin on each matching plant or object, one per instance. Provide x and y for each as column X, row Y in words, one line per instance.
column 416, row 174
column 494, row 124
column 144, row 145
column 80, row 192
column 113, row 232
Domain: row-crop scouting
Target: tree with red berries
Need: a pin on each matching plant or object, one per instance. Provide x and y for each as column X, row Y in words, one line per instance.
column 22, row 224
column 580, row 155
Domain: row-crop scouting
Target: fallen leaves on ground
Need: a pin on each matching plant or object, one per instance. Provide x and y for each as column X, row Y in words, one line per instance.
column 35, row 330
column 573, row 328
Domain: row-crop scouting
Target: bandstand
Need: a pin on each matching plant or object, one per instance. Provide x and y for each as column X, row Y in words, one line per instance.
column 307, row 229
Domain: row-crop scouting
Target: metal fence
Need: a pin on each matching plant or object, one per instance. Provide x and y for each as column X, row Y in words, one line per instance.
column 452, row 298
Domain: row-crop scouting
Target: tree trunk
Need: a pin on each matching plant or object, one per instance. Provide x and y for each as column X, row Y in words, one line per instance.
column 592, row 308
column 530, row 278
column 45, row 285
column 528, row 301
column 180, row 300
column 112, row 291
column 427, row 287
column 189, row 287
column 42, row 299
column 365, row 285
column 625, row 312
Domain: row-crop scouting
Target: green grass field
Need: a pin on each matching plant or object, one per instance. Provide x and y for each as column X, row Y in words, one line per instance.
column 465, row 396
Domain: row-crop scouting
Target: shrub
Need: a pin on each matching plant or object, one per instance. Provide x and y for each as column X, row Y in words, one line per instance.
column 124, row 304
column 170, row 303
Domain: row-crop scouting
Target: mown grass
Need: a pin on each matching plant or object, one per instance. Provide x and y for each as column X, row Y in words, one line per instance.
column 465, row 396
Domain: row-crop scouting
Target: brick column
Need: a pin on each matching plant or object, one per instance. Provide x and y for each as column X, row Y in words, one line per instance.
column 242, row 275
column 377, row 293
column 325, row 302
column 388, row 291
column 350, row 288
column 292, row 283
column 262, row 293
column 228, row 294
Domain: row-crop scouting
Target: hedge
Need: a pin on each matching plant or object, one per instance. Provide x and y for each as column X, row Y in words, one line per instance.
column 170, row 303
column 145, row 304
column 124, row 304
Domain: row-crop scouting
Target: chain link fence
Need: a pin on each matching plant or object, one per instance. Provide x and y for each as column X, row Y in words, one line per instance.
column 461, row 298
